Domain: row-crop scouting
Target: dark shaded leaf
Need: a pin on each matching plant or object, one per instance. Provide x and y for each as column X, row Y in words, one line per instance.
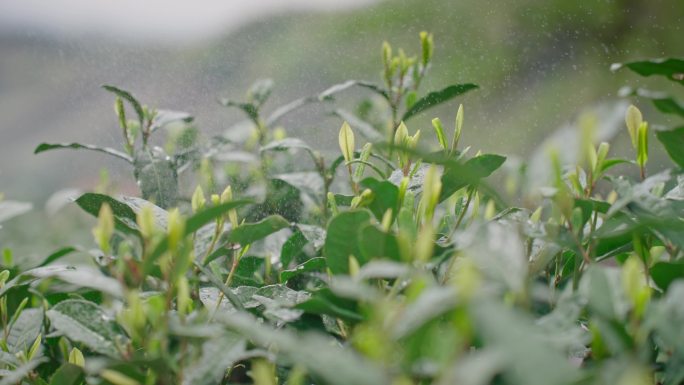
column 670, row 68
column 664, row 273
column 673, row 141
column 78, row 146
column 455, row 177
column 437, row 97
column 68, row 374
column 313, row 264
column 250, row 232
column 375, row 243
column 129, row 98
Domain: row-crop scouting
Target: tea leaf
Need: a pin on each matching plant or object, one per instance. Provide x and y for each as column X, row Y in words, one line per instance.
column 437, row 97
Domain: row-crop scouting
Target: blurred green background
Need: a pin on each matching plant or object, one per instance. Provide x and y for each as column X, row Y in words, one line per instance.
column 538, row 63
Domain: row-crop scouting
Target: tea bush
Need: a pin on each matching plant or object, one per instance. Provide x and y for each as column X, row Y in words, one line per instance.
column 392, row 263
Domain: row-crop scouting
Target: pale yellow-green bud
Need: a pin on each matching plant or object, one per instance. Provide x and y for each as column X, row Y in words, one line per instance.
column 145, row 220
column 401, row 135
column 76, row 358
column 634, row 284
column 425, row 243
column 427, row 46
column 105, row 228
column 346, row 142
column 183, row 300
column 387, row 220
column 353, row 266
column 263, row 372
column 227, row 196
column 176, row 228
column 633, row 120
column 490, row 210
column 35, row 348
column 431, row 190
column 198, row 200
column 439, row 131
column 332, row 203
column 117, row 378
column 386, row 54
column 120, row 112
column 279, row 133
column 215, row 199
column 458, row 128
column 465, row 276
column 642, row 144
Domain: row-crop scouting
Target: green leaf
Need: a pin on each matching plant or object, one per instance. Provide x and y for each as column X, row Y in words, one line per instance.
column 250, row 232
column 664, row 273
column 324, row 301
column 342, row 240
column 219, row 354
column 166, row 117
column 57, row 255
column 68, row 374
column 307, row 182
column 129, row 98
column 248, row 108
column 437, row 97
column 375, row 243
column 313, row 264
column 124, row 216
column 673, row 141
column 328, row 93
column 455, row 177
column 25, row 330
column 86, row 323
column 78, row 146
column 671, row 68
column 157, row 178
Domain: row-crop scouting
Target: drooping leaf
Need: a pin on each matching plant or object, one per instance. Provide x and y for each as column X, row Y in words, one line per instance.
column 328, row 93
column 78, row 146
column 251, row 232
column 342, row 240
column 165, row 117
column 673, row 141
column 57, row 255
column 87, row 323
column 129, row 98
column 671, row 68
column 437, row 97
column 313, row 264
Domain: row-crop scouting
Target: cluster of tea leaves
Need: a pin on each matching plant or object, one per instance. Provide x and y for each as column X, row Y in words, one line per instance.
column 387, row 263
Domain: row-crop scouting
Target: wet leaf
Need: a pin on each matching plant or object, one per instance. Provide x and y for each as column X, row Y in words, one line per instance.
column 437, row 97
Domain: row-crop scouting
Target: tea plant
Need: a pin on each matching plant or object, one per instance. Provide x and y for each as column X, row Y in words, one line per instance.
column 388, row 264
